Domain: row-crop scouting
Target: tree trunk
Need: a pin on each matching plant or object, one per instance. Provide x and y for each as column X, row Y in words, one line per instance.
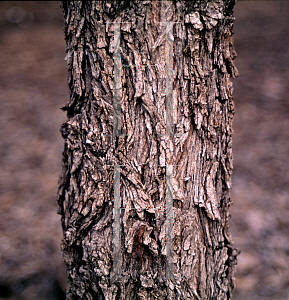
column 144, row 193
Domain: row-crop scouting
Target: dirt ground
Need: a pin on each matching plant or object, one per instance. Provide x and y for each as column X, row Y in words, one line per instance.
column 33, row 88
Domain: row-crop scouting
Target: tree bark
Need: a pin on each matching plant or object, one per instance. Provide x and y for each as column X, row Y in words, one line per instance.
column 144, row 192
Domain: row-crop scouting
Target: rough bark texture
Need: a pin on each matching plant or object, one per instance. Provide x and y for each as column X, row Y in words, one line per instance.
column 200, row 150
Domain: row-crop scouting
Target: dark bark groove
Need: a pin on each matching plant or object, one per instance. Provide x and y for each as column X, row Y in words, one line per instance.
column 201, row 153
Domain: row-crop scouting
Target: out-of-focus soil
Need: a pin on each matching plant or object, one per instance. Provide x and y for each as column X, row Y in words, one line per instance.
column 33, row 88
column 260, row 213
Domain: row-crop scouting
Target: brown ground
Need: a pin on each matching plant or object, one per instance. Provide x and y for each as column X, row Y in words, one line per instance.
column 33, row 88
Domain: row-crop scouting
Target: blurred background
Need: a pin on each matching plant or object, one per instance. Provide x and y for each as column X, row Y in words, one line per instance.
column 32, row 89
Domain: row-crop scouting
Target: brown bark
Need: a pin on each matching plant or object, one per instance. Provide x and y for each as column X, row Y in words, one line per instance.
column 200, row 150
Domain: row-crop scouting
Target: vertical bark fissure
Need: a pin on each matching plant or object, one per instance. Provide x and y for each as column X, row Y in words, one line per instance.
column 199, row 112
